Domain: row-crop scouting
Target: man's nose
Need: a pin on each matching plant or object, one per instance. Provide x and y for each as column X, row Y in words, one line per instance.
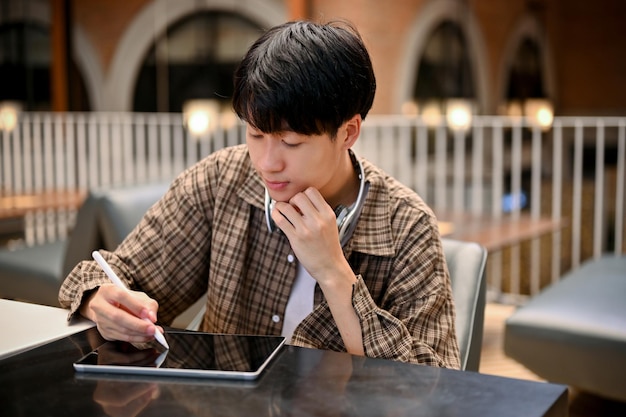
column 270, row 158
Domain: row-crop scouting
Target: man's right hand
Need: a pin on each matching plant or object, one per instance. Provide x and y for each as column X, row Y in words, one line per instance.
column 120, row 314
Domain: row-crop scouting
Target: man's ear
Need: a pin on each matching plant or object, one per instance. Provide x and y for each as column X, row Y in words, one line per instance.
column 353, row 129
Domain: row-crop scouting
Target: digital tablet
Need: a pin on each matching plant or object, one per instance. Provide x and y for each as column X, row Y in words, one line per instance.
column 191, row 354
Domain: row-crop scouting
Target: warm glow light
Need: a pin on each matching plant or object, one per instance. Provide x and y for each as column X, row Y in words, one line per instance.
column 514, row 110
column 539, row 113
column 459, row 114
column 198, row 122
column 545, row 117
column 9, row 112
column 431, row 114
column 200, row 116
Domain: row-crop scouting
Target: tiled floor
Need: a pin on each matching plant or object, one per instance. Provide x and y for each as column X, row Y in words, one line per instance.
column 494, row 362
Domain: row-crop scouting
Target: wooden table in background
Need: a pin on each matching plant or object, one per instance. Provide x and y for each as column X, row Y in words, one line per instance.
column 15, row 207
column 494, row 233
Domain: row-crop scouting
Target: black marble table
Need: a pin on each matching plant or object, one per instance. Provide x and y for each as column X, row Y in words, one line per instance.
column 299, row 382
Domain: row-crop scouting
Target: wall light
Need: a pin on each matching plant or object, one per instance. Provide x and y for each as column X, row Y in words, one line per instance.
column 201, row 116
column 409, row 108
column 431, row 114
column 513, row 109
column 459, row 114
column 539, row 112
column 9, row 115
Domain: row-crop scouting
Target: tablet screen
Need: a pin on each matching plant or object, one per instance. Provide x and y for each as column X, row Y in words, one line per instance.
column 193, row 354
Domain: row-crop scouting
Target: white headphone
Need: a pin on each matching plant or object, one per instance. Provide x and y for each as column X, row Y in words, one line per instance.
column 346, row 216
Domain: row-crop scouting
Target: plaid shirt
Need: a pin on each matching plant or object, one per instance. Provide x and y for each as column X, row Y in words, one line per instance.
column 208, row 234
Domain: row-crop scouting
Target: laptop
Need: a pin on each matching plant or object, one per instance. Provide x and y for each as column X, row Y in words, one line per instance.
column 191, row 354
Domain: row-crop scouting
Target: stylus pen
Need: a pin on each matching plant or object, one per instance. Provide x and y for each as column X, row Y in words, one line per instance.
column 116, row 280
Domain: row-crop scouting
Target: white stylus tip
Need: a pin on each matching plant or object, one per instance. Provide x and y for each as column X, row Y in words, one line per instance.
column 161, row 339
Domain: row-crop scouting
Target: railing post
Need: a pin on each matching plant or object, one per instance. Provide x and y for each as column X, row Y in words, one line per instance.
column 619, row 191
column 477, row 168
column 598, row 211
column 535, row 209
column 577, row 193
column 557, row 193
column 458, row 203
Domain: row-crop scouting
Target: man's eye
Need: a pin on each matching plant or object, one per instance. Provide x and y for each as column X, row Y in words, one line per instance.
column 291, row 145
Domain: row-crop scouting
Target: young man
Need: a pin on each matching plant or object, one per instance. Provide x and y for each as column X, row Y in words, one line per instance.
column 258, row 227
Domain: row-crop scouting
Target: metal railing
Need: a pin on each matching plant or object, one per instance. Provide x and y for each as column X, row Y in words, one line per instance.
column 501, row 168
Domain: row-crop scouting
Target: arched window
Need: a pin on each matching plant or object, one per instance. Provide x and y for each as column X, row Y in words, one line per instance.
column 526, row 93
column 194, row 59
column 25, row 65
column 445, row 70
column 525, row 78
column 25, row 58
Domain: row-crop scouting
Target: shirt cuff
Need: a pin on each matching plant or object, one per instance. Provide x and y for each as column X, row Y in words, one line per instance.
column 362, row 300
column 82, row 293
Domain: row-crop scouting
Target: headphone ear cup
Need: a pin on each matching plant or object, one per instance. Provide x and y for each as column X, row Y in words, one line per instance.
column 340, row 211
column 269, row 206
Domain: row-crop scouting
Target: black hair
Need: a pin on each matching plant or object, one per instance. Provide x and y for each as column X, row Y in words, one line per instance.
column 305, row 77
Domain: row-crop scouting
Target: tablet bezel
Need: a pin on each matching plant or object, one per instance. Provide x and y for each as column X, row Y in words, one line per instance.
column 81, row 366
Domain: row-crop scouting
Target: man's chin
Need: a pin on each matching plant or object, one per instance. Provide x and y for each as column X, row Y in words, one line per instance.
column 283, row 195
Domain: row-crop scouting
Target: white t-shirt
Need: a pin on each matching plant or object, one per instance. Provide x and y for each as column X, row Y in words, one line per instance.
column 301, row 301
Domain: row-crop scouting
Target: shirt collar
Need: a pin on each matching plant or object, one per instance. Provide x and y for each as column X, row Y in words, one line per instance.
column 252, row 190
column 373, row 234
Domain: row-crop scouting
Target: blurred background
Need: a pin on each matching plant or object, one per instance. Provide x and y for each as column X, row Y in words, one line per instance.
column 507, row 117
column 509, row 112
column 145, row 55
column 505, row 110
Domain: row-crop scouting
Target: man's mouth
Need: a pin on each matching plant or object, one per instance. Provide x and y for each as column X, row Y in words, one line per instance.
column 276, row 185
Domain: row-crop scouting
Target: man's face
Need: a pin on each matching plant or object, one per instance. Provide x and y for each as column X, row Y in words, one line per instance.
column 289, row 162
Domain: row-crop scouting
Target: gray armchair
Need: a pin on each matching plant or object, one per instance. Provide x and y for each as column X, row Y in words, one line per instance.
column 121, row 209
column 34, row 274
column 574, row 331
column 466, row 264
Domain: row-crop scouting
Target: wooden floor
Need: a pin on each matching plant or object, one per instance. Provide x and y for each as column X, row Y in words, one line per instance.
column 494, row 362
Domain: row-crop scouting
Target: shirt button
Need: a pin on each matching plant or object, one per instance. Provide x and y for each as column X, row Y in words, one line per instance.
column 275, row 318
column 290, row 258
